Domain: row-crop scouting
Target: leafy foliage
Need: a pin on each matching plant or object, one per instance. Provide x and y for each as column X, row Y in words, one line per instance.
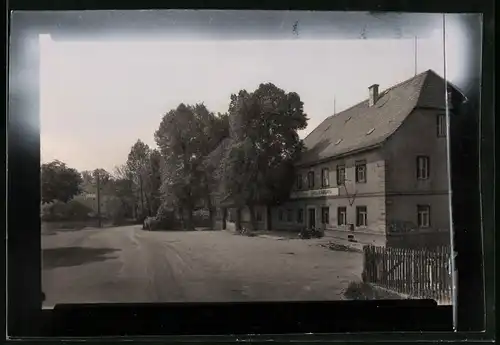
column 59, row 182
column 139, row 169
column 73, row 210
column 263, row 127
column 186, row 135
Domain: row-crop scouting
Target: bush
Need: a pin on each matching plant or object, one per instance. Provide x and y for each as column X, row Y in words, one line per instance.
column 166, row 218
column 307, row 233
column 70, row 211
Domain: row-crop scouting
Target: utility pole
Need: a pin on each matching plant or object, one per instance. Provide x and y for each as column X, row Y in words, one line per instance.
column 98, row 178
column 448, row 155
column 334, row 106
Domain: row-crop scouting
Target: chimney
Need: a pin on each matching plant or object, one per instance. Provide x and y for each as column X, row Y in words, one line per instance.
column 373, row 94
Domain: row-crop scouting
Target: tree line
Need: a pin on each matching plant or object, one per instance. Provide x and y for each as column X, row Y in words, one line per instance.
column 245, row 155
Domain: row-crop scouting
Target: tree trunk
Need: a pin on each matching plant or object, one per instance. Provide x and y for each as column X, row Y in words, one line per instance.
column 180, row 215
column 269, row 217
column 148, row 204
column 188, row 219
column 253, row 219
column 238, row 219
column 224, row 217
column 211, row 212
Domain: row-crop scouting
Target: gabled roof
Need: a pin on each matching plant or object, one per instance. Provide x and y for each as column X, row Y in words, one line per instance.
column 361, row 126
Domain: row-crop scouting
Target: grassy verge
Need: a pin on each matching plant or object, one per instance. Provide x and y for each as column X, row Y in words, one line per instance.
column 365, row 291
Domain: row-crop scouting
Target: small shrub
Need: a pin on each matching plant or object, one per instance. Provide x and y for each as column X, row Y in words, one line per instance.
column 366, row 291
column 359, row 291
column 307, row 233
column 341, row 247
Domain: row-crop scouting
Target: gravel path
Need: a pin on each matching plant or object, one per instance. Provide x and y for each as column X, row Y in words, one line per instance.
column 126, row 264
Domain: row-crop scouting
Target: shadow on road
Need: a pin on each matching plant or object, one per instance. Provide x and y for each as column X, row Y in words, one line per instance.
column 74, row 256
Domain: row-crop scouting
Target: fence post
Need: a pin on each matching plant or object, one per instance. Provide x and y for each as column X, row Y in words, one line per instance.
column 396, row 269
column 400, row 270
column 365, row 265
column 408, row 271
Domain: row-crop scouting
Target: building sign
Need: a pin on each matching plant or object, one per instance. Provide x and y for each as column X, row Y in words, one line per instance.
column 317, row 193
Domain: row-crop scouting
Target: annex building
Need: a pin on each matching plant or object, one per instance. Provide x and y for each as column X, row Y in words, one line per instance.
column 376, row 172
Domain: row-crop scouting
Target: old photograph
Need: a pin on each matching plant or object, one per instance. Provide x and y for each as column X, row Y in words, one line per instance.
column 240, row 156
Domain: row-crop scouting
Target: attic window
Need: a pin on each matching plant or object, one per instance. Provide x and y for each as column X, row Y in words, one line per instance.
column 370, row 131
column 348, row 119
column 338, row 141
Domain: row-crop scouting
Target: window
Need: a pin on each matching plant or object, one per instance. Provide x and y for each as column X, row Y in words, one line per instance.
column 325, row 177
column 310, row 179
column 341, row 216
column 361, row 216
column 280, row 215
column 325, row 215
column 300, row 215
column 361, row 172
column 340, row 175
column 441, row 125
column 423, row 216
column 299, row 181
column 422, row 167
column 289, row 216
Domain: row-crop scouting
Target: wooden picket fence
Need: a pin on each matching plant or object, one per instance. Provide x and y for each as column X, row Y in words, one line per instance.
column 417, row 273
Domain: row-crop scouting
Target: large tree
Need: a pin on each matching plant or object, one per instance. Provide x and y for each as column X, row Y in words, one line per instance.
column 258, row 168
column 59, row 182
column 152, row 181
column 124, row 193
column 137, row 165
column 185, row 137
column 89, row 180
column 213, row 129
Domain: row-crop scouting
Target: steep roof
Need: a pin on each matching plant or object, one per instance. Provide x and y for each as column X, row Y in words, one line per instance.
column 361, row 126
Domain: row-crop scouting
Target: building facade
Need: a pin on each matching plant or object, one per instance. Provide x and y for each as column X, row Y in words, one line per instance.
column 391, row 189
column 376, row 173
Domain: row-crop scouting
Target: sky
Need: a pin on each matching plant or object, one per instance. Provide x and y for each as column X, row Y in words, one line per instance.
column 98, row 97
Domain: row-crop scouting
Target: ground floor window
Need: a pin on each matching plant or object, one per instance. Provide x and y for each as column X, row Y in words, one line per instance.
column 280, row 215
column 289, row 215
column 341, row 216
column 361, row 216
column 325, row 215
column 424, row 216
column 300, row 215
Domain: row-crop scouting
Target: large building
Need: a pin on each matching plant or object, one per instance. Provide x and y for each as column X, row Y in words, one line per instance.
column 377, row 171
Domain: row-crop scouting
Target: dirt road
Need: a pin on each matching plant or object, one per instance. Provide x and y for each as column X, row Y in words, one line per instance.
column 127, row 264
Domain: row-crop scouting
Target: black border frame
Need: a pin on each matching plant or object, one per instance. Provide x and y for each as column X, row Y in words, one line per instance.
column 24, row 269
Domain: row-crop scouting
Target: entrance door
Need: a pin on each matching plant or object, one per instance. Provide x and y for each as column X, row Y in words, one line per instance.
column 311, row 218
